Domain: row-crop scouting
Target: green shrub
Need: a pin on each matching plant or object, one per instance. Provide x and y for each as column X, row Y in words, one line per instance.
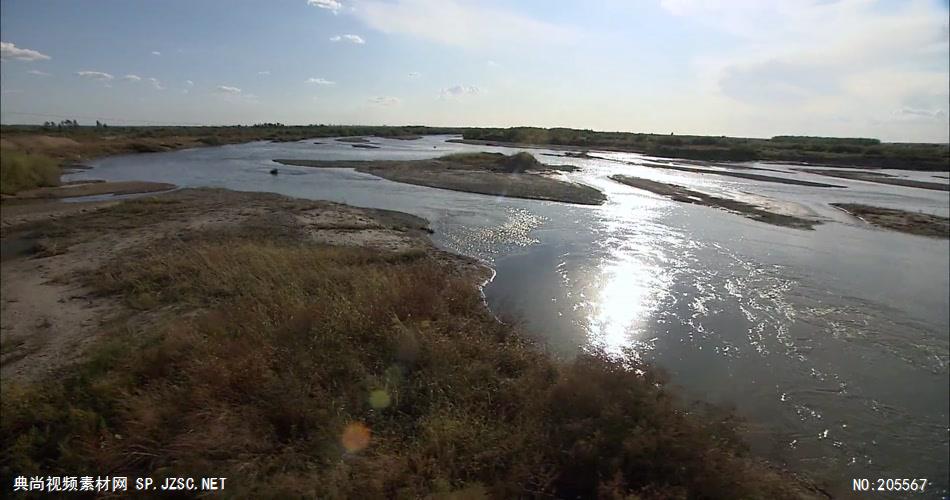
column 19, row 171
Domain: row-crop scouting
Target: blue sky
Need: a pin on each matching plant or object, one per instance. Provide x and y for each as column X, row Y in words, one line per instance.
column 721, row 67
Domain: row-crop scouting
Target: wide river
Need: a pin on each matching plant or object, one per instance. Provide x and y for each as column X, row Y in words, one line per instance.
column 832, row 344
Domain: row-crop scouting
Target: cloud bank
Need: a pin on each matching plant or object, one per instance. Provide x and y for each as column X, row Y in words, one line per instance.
column 11, row 51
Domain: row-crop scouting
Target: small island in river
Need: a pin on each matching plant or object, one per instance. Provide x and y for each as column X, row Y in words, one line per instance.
column 686, row 195
column 878, row 177
column 517, row 176
column 904, row 221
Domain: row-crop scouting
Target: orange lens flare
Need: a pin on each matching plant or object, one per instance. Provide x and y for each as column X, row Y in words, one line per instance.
column 355, row 437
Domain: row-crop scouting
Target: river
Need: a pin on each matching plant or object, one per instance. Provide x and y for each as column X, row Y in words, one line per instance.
column 832, row 344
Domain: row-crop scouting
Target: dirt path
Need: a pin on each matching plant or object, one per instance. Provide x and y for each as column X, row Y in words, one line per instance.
column 47, row 321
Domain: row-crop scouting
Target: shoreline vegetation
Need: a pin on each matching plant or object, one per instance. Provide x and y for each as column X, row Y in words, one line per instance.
column 903, row 221
column 307, row 348
column 844, row 152
column 518, row 176
column 685, row 195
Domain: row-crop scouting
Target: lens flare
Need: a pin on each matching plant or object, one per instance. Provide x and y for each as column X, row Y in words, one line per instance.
column 355, row 437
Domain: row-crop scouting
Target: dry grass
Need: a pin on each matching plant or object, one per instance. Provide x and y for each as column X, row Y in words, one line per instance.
column 300, row 370
column 20, row 171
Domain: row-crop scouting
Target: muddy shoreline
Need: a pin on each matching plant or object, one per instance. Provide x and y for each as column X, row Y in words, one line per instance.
column 903, row 221
column 744, row 175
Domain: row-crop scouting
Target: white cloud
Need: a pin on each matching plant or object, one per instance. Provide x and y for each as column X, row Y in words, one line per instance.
column 95, row 75
column 789, row 69
column 11, row 51
column 385, row 101
column 132, row 78
column 156, row 83
column 226, row 89
column 156, row 53
column 320, row 81
column 464, row 23
column 356, row 39
column 925, row 113
column 414, row 74
column 492, row 64
column 331, row 5
column 458, row 91
column 264, row 73
column 37, row 72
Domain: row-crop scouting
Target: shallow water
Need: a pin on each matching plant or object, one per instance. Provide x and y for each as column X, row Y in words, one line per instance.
column 832, row 343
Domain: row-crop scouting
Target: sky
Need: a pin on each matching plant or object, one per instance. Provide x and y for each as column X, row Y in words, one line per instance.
column 749, row 68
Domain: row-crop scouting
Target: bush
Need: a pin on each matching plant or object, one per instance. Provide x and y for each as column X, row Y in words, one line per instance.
column 20, row 171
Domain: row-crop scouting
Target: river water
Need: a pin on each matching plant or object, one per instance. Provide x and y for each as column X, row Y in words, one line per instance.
column 832, row 344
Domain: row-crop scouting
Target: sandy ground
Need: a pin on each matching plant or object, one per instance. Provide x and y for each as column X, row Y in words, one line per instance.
column 444, row 174
column 49, row 317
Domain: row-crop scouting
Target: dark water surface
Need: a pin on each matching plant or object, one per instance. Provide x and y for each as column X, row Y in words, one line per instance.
column 832, row 343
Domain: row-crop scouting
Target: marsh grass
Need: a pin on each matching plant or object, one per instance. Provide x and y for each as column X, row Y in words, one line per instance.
column 20, row 171
column 264, row 356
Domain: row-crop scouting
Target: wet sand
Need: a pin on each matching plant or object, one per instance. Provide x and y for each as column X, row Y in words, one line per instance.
column 743, row 175
column 446, row 174
column 879, row 178
column 685, row 195
column 920, row 224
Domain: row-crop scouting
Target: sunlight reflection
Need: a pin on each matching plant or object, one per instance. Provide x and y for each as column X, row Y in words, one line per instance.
column 634, row 274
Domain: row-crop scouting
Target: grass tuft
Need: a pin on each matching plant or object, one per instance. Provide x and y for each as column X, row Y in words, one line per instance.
column 20, row 171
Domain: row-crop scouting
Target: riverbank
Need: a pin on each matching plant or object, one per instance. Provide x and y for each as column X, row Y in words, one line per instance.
column 685, row 195
column 331, row 343
column 516, row 176
column 34, row 156
column 920, row 224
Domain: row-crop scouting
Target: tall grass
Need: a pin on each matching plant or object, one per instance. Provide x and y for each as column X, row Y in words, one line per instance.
column 312, row 371
column 19, row 171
